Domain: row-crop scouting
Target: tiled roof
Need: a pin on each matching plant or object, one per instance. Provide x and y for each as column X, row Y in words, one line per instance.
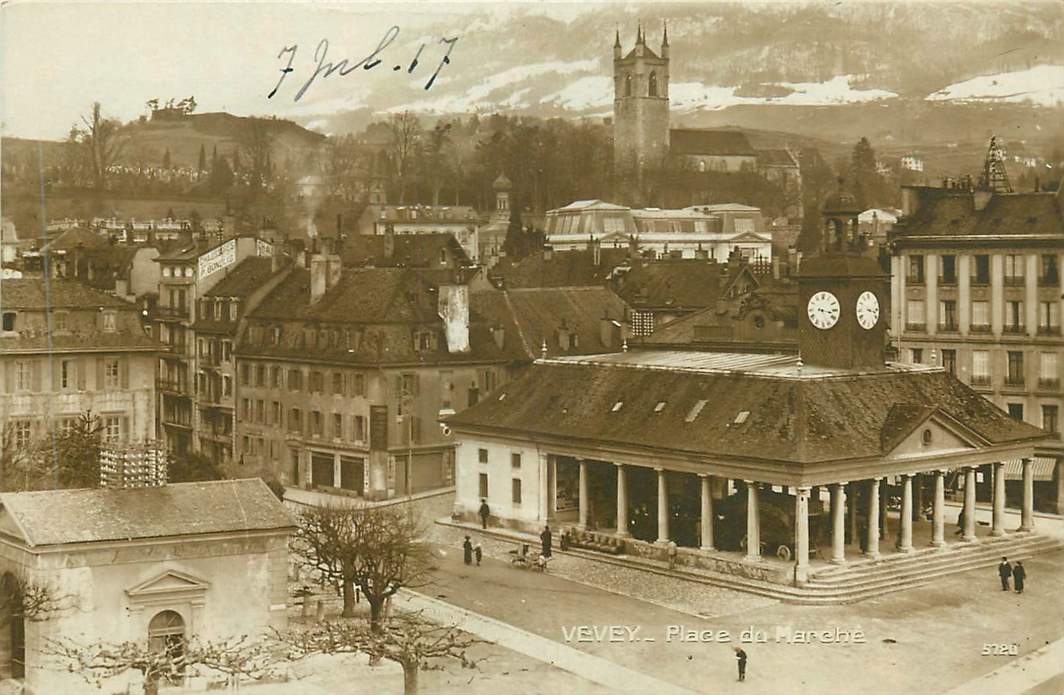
column 70, row 239
column 954, row 214
column 534, row 315
column 590, row 205
column 561, row 269
column 776, row 158
column 243, row 278
column 54, row 517
column 40, row 294
column 410, row 250
column 710, row 142
column 423, row 213
column 682, row 284
column 794, row 415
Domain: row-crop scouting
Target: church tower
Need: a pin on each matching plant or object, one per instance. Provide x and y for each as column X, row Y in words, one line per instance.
column 640, row 105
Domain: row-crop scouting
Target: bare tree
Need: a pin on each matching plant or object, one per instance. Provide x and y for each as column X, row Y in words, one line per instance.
column 99, row 661
column 101, row 139
column 410, row 640
column 436, row 158
column 405, row 133
column 376, row 549
column 255, row 144
column 36, row 601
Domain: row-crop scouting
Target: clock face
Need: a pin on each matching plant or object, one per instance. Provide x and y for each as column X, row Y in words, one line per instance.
column 867, row 310
column 823, row 310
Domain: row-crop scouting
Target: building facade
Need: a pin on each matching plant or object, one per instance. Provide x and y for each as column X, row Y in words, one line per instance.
column 67, row 349
column 460, row 221
column 977, row 289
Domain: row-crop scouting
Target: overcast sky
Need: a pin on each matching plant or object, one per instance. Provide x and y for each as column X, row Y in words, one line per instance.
column 60, row 57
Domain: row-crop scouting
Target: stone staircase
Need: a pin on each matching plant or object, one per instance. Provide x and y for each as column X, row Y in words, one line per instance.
column 864, row 579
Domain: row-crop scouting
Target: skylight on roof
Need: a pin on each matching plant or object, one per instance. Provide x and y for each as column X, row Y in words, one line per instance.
column 617, row 406
column 741, row 417
column 695, row 410
column 502, row 396
column 659, row 407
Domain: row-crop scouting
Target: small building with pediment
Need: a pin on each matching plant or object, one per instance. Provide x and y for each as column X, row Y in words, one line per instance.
column 148, row 565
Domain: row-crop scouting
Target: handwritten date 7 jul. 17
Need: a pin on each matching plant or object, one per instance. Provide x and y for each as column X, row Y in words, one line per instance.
column 324, row 68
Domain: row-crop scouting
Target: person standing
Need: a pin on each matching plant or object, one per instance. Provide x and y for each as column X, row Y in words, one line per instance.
column 478, row 552
column 740, row 658
column 1004, row 572
column 1019, row 575
column 484, row 512
column 960, row 523
column 545, row 539
column 672, row 554
column 467, row 551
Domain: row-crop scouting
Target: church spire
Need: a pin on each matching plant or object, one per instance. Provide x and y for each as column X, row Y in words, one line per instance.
column 665, row 35
column 617, row 40
column 639, row 33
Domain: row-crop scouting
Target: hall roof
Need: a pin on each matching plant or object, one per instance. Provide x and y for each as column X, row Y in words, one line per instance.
column 710, row 142
column 57, row 517
column 693, row 403
column 948, row 213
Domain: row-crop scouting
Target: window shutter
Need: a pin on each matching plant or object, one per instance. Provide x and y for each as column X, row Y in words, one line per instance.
column 99, row 373
column 416, row 380
column 124, row 435
column 9, row 377
column 123, row 368
column 57, row 374
column 398, row 386
column 37, row 376
column 81, row 366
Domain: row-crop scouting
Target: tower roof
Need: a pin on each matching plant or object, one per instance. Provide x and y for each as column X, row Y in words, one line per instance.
column 502, row 183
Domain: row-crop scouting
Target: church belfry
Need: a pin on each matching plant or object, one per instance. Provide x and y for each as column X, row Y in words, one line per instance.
column 640, row 105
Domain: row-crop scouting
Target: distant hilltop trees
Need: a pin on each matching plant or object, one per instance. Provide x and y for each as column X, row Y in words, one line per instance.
column 173, row 108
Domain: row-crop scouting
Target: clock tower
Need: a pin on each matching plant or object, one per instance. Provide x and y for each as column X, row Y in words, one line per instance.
column 841, row 296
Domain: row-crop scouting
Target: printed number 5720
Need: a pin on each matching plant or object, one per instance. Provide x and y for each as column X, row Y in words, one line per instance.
column 993, row 649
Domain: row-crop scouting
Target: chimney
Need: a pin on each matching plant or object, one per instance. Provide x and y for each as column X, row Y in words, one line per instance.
column 548, row 253
column 595, row 246
column 563, row 336
column 453, row 308
column 324, row 270
column 499, row 334
column 389, row 241
column 608, row 330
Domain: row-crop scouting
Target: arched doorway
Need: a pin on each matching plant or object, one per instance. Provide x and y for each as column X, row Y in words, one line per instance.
column 12, row 628
column 166, row 635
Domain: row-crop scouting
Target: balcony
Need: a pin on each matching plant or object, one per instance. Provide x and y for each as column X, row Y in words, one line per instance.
column 916, row 327
column 1049, row 330
column 1014, row 328
column 1014, row 280
column 947, row 280
column 176, row 387
column 980, row 380
column 950, row 327
column 980, row 280
column 980, row 328
column 1015, row 381
column 170, row 312
column 1049, row 384
column 182, row 421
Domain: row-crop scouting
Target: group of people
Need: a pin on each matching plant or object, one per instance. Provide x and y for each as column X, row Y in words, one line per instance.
column 1016, row 572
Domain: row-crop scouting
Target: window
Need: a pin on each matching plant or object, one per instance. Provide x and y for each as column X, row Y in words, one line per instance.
column 59, row 320
column 915, row 315
column 338, row 426
column 1048, row 275
column 108, row 322
column 66, row 374
column 112, row 428
column 980, row 367
column 915, row 274
column 1048, row 373
column 473, row 395
column 1014, row 269
column 260, row 375
column 9, row 320
column 1015, row 375
column 293, row 463
column 24, row 375
column 295, row 420
column 1049, row 419
column 446, row 388
column 276, row 413
column 317, row 382
column 652, row 87
column 516, row 490
column 1014, row 316
column 245, row 409
column 408, row 386
column 359, row 385
column 23, row 434
column 275, row 377
column 359, row 428
column 515, row 460
column 980, row 316
column 245, row 375
column 339, row 383
column 295, row 380
column 947, row 270
column 227, row 386
column 949, row 361
column 317, row 423
column 111, row 374
column 1048, row 318
column 166, row 635
column 916, row 355
column 927, row 437
column 642, row 323
column 483, row 488
column 1016, row 411
column 980, row 270
column 628, row 85
column 947, row 315
column 482, row 455
column 260, row 412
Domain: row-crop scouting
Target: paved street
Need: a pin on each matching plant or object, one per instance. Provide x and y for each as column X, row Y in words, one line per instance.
column 958, row 616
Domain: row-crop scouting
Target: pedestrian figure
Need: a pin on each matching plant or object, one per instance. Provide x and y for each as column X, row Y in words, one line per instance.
column 563, row 540
column 960, row 523
column 672, row 554
column 740, row 658
column 485, row 512
column 545, row 539
column 1004, row 571
column 478, row 551
column 1019, row 574
column 467, row 551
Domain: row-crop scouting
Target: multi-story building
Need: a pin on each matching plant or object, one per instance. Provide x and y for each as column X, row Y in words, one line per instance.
column 343, row 374
column 458, row 220
column 977, row 288
column 67, row 349
column 220, row 311
column 187, row 274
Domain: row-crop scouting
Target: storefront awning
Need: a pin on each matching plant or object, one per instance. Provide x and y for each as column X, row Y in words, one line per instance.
column 1042, row 467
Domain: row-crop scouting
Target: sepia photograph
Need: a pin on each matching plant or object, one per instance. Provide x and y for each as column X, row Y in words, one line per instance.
column 531, row 347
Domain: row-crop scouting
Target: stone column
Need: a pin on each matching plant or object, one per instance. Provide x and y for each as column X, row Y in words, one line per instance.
column 938, row 521
column 905, row 539
column 622, row 500
column 663, row 506
column 918, row 496
column 544, row 492
column 997, row 527
column 753, row 522
column 872, row 543
column 1027, row 513
column 838, row 523
column 801, row 532
column 883, row 512
column 582, row 523
column 707, row 512
column 969, row 504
